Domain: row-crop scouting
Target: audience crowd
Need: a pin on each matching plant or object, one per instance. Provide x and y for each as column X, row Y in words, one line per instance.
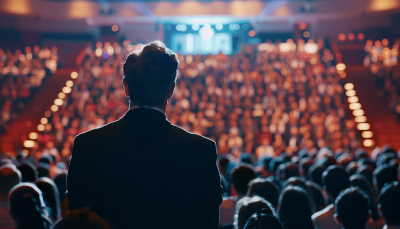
column 383, row 63
column 289, row 154
column 21, row 73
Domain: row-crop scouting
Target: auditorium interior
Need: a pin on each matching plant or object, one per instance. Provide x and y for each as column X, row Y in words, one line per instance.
column 291, row 89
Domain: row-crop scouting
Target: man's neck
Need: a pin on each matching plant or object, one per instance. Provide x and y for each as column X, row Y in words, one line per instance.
column 157, row 108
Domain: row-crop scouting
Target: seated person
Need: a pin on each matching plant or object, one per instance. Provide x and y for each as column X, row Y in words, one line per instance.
column 247, row 206
column 389, row 205
column 352, row 209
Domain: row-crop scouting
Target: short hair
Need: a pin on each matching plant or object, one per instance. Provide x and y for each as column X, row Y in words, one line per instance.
column 247, row 206
column 275, row 163
column 352, row 208
column 335, row 179
column 150, row 72
column 389, row 200
column 265, row 189
column 351, row 168
column 25, row 202
column 384, row 174
column 290, row 170
column 315, row 173
column 28, row 171
column 43, row 170
column 9, row 177
column 263, row 220
column 316, row 195
column 304, row 166
column 295, row 209
column 361, row 182
column 51, row 195
column 368, row 172
column 241, row 175
column 82, row 219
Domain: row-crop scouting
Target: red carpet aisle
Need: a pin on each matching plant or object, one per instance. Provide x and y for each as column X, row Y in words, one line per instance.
column 29, row 118
column 383, row 122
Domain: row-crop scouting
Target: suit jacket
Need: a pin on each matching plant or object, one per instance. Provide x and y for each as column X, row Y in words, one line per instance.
column 141, row 171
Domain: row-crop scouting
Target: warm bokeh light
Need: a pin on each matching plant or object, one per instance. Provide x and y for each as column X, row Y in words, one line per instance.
column 99, row 52
column 310, row 48
column 44, row 120
column 367, row 134
column 360, row 36
column 360, row 119
column 74, row 75
column 303, row 26
column 114, row 28
column 342, row 37
column 353, row 99
column 69, row 83
column 58, row 102
column 340, row 67
column 54, row 108
column 363, row 126
column 349, row 86
column 29, row 143
column 385, row 42
column 351, row 37
column 61, row 95
column 47, row 114
column 368, row 143
column 66, row 90
column 358, row 112
column 252, row 33
column 48, row 127
column 33, row 135
column 355, row 106
column 350, row 93
column 40, row 127
column 306, row 34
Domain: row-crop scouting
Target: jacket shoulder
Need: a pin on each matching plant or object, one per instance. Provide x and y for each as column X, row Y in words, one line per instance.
column 95, row 132
column 185, row 135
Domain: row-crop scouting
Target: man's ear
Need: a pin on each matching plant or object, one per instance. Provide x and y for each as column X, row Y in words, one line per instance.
column 337, row 220
column 171, row 92
column 125, row 86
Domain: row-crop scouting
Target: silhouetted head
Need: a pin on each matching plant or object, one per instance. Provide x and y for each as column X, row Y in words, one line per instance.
column 247, row 206
column 9, row 177
column 263, row 220
column 290, row 170
column 351, row 168
column 82, row 219
column 389, row 203
column 361, row 182
column 315, row 174
column 304, row 166
column 384, row 174
column 28, row 172
column 51, row 196
column 43, row 170
column 241, row 175
column 149, row 74
column 27, row 207
column 352, row 209
column 335, row 179
column 274, row 164
column 265, row 189
column 368, row 172
column 61, row 182
column 295, row 209
column 317, row 195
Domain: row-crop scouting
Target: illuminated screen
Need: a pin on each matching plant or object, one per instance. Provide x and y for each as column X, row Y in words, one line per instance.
column 194, row 43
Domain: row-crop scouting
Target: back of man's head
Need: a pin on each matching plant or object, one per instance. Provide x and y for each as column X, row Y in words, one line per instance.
column 247, row 206
column 384, row 174
column 304, row 166
column 389, row 203
column 28, row 172
column 335, row 179
column 150, row 72
column 241, row 175
column 352, row 209
column 290, row 170
column 315, row 173
column 9, row 177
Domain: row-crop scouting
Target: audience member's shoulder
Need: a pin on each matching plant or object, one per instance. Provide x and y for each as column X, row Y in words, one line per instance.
column 322, row 213
column 192, row 137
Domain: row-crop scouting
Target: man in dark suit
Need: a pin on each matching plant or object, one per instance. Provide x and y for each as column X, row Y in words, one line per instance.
column 141, row 171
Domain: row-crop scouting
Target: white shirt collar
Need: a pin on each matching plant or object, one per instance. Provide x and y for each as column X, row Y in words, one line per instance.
column 148, row 107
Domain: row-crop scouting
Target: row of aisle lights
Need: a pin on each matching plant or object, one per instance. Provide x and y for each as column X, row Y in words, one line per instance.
column 351, row 37
column 44, row 122
column 358, row 113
